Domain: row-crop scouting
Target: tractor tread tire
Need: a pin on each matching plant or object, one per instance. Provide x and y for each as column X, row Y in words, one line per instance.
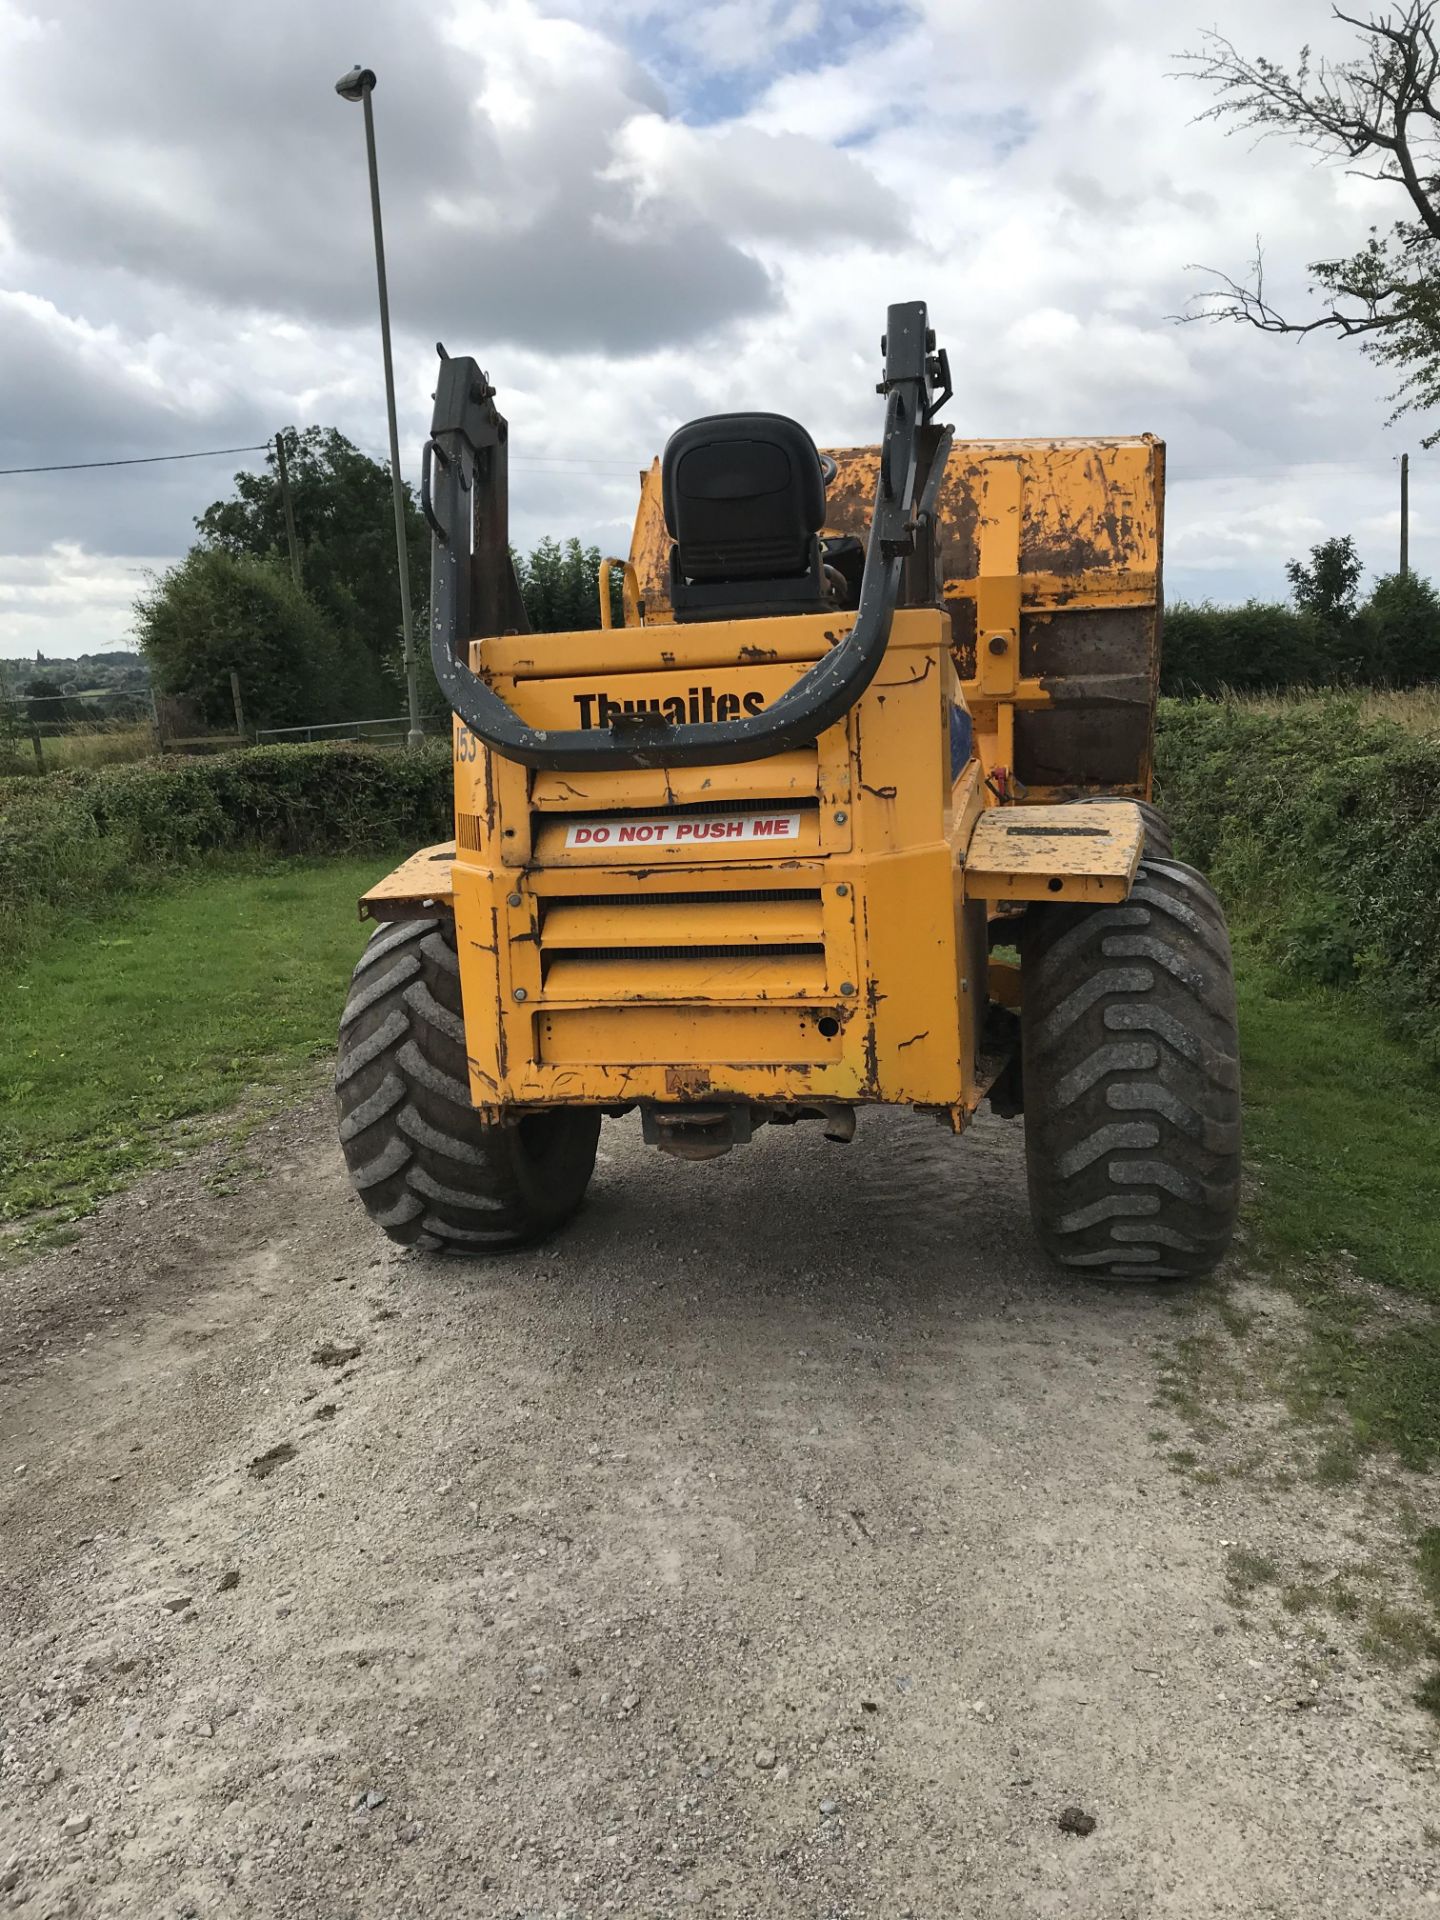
column 430, row 1170
column 1131, row 1072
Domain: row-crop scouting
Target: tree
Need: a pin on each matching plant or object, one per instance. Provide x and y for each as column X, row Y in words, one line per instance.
column 1379, row 115
column 345, row 527
column 50, row 704
column 1401, row 624
column 216, row 611
column 560, row 586
column 1328, row 585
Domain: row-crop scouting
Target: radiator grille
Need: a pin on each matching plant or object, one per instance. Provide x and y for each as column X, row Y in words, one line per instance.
column 756, row 943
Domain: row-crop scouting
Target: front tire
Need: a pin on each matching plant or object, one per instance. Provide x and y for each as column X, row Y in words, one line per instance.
column 1130, row 1058
column 431, row 1172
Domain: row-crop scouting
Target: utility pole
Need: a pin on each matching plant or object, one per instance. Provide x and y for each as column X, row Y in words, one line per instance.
column 1404, row 516
column 289, row 506
column 359, row 84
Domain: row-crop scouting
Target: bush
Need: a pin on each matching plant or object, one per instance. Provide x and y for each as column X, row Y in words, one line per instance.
column 1324, row 640
column 1401, row 628
column 77, row 839
column 1322, row 832
column 1255, row 647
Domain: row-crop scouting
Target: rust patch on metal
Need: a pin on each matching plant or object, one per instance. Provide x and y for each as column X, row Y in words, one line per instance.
column 688, row 1083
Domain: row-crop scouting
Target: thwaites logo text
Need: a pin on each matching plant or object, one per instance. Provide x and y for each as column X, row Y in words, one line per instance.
column 696, row 706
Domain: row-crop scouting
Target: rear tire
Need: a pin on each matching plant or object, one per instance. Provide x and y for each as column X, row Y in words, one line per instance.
column 431, row 1172
column 1132, row 1081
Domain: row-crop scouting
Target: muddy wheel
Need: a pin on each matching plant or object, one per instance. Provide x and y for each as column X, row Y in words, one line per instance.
column 1132, row 1080
column 430, row 1171
column 1157, row 827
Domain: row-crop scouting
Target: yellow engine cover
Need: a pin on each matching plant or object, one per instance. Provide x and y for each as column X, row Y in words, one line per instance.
column 790, row 929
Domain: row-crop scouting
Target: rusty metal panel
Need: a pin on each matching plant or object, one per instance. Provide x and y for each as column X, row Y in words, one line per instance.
column 1088, row 552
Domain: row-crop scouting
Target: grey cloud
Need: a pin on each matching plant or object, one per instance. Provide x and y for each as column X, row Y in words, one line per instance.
column 206, row 152
column 71, row 399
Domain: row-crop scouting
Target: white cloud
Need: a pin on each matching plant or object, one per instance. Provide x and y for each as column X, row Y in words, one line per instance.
column 66, row 601
column 184, row 236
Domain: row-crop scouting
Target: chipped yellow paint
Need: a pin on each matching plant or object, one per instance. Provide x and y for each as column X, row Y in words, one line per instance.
column 418, row 886
column 1054, row 853
column 842, row 963
column 849, row 961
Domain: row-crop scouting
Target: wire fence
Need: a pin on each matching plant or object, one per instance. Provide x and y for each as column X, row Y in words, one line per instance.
column 391, row 732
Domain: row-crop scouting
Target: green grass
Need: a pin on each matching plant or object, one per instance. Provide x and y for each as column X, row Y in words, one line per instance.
column 103, row 745
column 120, row 1035
column 1343, row 1127
column 1343, row 1130
column 1345, row 1122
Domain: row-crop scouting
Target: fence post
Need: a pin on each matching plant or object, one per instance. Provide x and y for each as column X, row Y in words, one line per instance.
column 239, row 709
column 39, row 750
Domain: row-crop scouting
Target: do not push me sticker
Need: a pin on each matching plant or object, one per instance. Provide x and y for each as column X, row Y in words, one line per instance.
column 702, row 830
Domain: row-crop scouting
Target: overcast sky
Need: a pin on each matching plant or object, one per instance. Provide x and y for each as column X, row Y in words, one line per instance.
column 632, row 214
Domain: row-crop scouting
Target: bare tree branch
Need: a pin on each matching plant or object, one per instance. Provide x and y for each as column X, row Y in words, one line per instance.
column 1377, row 115
column 1380, row 103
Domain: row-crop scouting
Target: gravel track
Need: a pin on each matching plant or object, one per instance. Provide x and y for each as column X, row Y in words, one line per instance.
column 784, row 1538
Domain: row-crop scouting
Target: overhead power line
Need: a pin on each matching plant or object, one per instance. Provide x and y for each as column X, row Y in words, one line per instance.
column 141, row 460
column 263, row 446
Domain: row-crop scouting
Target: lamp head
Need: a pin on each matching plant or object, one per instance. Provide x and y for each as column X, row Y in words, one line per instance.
column 354, row 86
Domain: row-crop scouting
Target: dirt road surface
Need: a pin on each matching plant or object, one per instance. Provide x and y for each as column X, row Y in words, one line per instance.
column 785, row 1538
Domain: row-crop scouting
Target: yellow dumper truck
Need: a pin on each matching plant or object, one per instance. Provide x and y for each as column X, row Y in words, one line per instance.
column 853, row 808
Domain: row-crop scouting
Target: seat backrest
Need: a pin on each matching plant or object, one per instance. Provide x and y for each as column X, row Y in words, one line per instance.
column 744, row 498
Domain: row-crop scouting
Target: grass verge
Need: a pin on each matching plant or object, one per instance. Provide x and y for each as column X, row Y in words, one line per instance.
column 210, row 992
column 1343, row 1212
column 1343, row 1126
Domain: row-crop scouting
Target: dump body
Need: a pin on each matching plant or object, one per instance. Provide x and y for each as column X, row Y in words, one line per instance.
column 1063, row 538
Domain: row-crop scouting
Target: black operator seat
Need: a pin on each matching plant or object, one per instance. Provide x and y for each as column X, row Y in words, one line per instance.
column 744, row 499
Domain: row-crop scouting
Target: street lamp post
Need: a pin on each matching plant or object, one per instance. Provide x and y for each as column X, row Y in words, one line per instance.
column 359, row 84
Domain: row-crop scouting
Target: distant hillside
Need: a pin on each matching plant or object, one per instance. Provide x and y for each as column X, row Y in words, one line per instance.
column 111, row 671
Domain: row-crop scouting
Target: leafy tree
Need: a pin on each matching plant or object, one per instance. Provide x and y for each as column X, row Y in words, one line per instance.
column 49, row 704
column 1378, row 114
column 1401, row 627
column 345, row 529
column 1327, row 637
column 1326, row 588
column 218, row 610
column 560, row 586
column 1328, row 585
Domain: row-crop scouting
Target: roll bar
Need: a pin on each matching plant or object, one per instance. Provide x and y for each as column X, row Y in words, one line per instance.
column 466, row 456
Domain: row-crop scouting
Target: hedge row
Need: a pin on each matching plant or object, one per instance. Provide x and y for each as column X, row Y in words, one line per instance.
column 73, row 840
column 1322, row 834
column 1321, row 831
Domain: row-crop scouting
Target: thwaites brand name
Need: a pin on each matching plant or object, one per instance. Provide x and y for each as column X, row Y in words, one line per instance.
column 694, row 707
